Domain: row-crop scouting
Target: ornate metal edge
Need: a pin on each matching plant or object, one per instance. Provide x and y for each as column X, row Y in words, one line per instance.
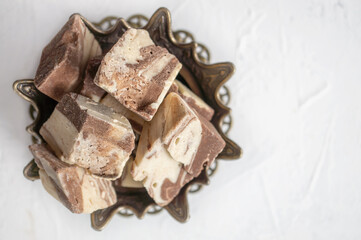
column 19, row 87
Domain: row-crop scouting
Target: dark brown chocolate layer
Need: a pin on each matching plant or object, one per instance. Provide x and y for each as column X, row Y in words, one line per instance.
column 173, row 88
column 70, row 108
column 61, row 59
column 107, row 41
column 193, row 104
column 89, row 89
column 211, row 145
column 170, row 190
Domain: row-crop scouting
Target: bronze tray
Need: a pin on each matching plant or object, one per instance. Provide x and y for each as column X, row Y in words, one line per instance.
column 205, row 79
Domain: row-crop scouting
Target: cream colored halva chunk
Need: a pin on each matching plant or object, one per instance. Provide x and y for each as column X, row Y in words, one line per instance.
column 79, row 191
column 182, row 131
column 138, row 73
column 63, row 60
column 88, row 87
column 161, row 175
column 174, row 148
column 90, row 135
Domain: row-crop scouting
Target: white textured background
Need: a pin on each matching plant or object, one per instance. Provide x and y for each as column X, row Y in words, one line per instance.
column 296, row 112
